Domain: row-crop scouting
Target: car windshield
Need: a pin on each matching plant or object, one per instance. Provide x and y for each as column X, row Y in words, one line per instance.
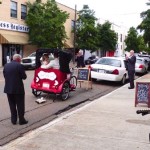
column 139, row 61
column 108, row 61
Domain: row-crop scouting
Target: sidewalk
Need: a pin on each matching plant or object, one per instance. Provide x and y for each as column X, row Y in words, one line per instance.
column 108, row 123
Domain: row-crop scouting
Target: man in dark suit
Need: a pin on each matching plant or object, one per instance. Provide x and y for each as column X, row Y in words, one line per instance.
column 131, row 60
column 14, row 73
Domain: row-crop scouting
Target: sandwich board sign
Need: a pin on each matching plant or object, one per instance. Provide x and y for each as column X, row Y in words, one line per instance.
column 142, row 93
column 84, row 75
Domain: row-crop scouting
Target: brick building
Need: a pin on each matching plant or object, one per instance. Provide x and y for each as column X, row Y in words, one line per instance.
column 14, row 31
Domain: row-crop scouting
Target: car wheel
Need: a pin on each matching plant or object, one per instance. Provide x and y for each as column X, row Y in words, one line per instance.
column 123, row 81
column 94, row 80
column 36, row 93
column 146, row 71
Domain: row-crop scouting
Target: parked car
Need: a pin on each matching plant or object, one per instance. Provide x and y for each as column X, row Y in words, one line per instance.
column 91, row 60
column 29, row 62
column 110, row 69
column 146, row 57
column 141, row 65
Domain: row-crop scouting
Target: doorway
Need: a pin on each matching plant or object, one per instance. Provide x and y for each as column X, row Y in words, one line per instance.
column 8, row 50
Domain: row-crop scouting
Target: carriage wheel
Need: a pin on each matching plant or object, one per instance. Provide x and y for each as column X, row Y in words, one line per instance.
column 73, row 81
column 65, row 91
column 36, row 93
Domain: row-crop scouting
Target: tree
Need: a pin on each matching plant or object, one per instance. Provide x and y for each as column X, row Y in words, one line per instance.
column 107, row 38
column 46, row 23
column 142, row 45
column 132, row 41
column 145, row 26
column 85, row 29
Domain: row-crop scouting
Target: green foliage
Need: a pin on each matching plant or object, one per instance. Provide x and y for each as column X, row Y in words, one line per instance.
column 85, row 29
column 132, row 41
column 145, row 26
column 91, row 36
column 107, row 38
column 142, row 45
column 46, row 23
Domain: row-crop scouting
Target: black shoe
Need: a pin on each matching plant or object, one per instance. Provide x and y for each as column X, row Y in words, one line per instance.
column 14, row 123
column 130, row 87
column 23, row 122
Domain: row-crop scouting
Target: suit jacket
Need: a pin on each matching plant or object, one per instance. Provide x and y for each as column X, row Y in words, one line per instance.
column 64, row 60
column 131, row 63
column 14, row 73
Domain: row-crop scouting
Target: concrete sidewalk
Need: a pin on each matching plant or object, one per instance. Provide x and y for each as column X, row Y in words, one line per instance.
column 108, row 123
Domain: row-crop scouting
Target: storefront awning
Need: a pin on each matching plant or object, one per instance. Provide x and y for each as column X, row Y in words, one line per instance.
column 13, row 39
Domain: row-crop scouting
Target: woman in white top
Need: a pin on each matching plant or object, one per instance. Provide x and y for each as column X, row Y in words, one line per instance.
column 45, row 59
column 53, row 63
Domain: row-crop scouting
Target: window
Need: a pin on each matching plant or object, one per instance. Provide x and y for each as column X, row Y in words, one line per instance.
column 72, row 25
column 120, row 37
column 110, row 62
column 23, row 11
column 13, row 9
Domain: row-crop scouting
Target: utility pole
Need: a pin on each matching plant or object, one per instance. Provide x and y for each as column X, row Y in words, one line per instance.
column 75, row 17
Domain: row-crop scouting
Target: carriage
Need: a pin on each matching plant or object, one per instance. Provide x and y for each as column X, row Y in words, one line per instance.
column 54, row 81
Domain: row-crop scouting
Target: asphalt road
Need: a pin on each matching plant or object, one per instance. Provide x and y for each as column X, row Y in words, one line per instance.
column 40, row 114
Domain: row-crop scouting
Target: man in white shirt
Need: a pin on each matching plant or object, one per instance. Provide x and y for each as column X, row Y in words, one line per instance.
column 53, row 63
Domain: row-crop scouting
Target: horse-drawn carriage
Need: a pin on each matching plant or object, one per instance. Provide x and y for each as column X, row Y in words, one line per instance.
column 53, row 81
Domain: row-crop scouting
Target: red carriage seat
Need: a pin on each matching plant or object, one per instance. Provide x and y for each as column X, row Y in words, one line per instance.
column 48, row 79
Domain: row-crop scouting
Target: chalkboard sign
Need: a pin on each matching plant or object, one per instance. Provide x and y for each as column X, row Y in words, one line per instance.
column 83, row 74
column 142, row 93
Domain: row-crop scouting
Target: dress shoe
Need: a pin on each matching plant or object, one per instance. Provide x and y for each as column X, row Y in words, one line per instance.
column 130, row 87
column 14, row 123
column 23, row 122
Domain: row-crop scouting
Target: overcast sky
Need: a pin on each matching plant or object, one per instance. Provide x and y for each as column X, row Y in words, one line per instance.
column 120, row 12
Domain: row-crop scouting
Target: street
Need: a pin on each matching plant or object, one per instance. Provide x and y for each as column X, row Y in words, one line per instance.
column 40, row 114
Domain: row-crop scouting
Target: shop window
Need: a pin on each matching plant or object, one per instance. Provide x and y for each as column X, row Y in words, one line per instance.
column 13, row 9
column 23, row 11
column 72, row 25
column 120, row 37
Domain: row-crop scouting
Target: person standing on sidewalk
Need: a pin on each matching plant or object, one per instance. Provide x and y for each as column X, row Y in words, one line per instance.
column 80, row 59
column 131, row 60
column 14, row 73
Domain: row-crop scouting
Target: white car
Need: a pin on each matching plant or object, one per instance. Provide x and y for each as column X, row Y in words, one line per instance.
column 110, row 69
column 141, row 65
column 29, row 62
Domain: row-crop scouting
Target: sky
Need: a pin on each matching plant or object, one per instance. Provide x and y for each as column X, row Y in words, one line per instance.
column 125, row 13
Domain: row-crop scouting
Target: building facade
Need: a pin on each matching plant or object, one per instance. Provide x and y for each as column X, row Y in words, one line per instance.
column 121, row 33
column 14, row 32
column 121, row 36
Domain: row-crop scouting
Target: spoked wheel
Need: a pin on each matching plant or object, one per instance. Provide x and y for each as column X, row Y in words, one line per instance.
column 36, row 93
column 73, row 82
column 65, row 91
